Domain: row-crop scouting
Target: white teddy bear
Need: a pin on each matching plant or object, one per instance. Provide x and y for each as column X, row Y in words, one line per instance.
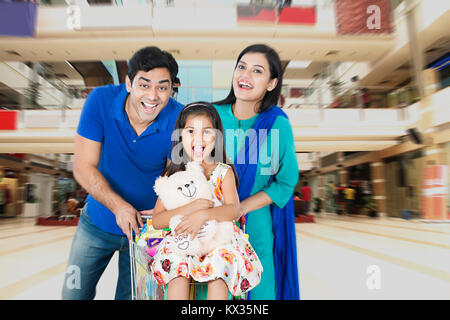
column 180, row 189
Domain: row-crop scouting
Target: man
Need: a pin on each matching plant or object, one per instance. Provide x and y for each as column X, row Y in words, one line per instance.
column 365, row 98
column 349, row 199
column 176, row 85
column 69, row 206
column 306, row 193
column 122, row 145
column 72, row 204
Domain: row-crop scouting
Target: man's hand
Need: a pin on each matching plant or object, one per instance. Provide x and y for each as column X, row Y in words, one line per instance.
column 146, row 212
column 126, row 217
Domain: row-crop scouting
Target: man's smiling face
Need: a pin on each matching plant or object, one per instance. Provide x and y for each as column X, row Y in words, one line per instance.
column 149, row 94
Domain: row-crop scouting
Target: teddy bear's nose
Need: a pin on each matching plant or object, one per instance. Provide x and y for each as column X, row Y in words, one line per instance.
column 187, row 185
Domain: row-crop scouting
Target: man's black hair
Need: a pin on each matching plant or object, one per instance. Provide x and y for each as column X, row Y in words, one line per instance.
column 149, row 58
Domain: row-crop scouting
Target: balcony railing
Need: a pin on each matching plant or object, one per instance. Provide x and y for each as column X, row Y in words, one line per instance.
column 293, row 97
column 254, row 11
column 67, row 116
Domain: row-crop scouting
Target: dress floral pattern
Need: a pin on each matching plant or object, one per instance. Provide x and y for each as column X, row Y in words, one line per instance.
column 236, row 263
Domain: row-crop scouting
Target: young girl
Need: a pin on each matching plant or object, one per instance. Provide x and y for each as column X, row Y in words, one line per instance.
column 232, row 267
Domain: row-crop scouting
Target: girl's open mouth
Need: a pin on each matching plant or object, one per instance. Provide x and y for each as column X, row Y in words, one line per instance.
column 198, row 151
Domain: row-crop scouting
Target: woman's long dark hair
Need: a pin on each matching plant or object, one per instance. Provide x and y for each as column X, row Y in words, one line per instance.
column 271, row 97
column 179, row 157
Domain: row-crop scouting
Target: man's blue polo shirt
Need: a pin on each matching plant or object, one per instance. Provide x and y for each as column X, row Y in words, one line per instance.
column 129, row 163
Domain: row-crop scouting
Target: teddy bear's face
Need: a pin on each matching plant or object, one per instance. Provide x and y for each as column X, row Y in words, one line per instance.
column 188, row 190
column 182, row 187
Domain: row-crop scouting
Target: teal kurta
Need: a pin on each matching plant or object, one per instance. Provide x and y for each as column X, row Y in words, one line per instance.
column 277, row 154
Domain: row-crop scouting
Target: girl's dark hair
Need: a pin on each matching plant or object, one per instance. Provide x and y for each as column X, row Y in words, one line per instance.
column 197, row 108
column 276, row 71
column 149, row 58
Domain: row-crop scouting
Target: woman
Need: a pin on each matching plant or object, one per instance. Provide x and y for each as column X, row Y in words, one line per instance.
column 266, row 166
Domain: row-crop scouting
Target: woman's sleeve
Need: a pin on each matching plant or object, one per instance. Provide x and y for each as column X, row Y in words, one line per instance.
column 285, row 180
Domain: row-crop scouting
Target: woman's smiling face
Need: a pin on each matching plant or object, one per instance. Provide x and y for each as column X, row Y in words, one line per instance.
column 251, row 78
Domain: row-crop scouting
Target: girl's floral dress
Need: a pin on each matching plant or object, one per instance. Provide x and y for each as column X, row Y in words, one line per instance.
column 236, row 263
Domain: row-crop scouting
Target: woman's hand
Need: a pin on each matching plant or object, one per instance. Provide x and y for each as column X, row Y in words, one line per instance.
column 191, row 223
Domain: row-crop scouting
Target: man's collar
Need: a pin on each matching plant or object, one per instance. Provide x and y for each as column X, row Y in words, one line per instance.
column 118, row 106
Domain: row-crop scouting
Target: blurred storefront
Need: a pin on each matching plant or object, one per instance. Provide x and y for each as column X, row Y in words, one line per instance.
column 8, row 192
column 38, row 195
column 33, row 184
column 360, row 178
column 331, row 182
column 403, row 181
column 447, row 156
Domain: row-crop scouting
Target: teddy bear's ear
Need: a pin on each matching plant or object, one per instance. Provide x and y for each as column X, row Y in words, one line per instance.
column 194, row 166
column 159, row 184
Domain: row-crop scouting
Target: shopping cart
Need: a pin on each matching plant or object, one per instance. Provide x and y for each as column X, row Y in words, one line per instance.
column 144, row 287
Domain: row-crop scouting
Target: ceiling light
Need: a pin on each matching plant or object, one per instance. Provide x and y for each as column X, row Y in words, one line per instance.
column 298, row 64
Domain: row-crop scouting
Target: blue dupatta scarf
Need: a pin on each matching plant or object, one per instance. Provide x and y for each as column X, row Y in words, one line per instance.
column 285, row 246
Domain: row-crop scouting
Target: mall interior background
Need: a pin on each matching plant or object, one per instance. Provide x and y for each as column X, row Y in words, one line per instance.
column 393, row 145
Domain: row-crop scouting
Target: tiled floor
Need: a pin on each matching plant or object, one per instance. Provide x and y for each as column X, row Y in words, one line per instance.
column 340, row 257
column 411, row 260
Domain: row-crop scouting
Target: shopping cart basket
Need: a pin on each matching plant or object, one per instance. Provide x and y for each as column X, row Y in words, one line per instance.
column 144, row 287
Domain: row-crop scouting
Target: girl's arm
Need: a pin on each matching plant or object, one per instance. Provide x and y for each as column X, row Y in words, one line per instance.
column 161, row 217
column 229, row 211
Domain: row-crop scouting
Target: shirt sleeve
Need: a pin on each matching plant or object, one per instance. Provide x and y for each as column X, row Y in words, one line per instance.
column 90, row 125
column 285, row 180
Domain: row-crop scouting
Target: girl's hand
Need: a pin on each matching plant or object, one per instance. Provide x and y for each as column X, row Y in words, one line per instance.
column 191, row 223
column 198, row 205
